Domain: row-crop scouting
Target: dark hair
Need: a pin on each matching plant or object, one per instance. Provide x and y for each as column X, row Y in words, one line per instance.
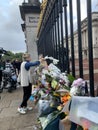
column 7, row 60
column 48, row 61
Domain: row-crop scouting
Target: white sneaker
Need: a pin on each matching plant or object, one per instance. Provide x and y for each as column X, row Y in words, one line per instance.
column 27, row 108
column 21, row 110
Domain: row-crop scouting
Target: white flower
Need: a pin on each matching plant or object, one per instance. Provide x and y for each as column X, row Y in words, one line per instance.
column 73, row 91
column 43, row 77
column 52, row 67
column 53, row 74
column 55, row 61
column 46, row 57
column 64, row 78
column 44, row 71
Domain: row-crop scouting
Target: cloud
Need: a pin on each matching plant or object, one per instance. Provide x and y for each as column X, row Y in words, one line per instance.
column 11, row 37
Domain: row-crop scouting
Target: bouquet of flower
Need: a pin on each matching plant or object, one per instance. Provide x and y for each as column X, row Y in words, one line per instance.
column 78, row 87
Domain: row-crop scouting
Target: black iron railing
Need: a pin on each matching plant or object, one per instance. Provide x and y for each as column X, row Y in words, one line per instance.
column 56, row 36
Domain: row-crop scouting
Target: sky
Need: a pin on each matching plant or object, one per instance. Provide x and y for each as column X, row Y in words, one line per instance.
column 11, row 35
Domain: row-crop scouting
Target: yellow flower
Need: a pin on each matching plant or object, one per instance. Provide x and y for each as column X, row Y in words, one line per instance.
column 65, row 98
column 56, row 94
column 59, row 108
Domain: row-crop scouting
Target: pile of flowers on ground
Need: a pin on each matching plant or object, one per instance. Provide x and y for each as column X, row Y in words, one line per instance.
column 52, row 92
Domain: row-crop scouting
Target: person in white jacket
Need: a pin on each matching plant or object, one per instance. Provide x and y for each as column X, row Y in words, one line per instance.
column 25, row 80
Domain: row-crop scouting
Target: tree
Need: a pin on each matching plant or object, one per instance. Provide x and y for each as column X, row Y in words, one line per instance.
column 12, row 56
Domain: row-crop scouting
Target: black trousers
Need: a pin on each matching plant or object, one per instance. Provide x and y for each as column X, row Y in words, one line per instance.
column 26, row 95
column 73, row 126
column 0, row 75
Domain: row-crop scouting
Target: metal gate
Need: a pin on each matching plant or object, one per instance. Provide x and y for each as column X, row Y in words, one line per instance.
column 56, row 35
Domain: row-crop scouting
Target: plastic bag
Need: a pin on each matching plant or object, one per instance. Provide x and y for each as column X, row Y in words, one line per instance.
column 44, row 107
column 84, row 111
column 47, row 120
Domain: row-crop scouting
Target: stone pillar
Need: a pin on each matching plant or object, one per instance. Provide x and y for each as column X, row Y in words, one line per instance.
column 31, row 31
column 30, row 14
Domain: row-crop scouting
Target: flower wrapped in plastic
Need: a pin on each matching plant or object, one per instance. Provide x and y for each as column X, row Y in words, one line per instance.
column 64, row 78
column 47, row 104
column 64, row 96
column 78, row 87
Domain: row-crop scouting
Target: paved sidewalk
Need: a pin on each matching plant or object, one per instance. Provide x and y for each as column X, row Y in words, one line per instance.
column 10, row 119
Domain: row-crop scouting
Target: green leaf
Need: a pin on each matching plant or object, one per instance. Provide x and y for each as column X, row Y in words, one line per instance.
column 79, row 128
column 66, row 87
column 71, row 78
column 48, row 78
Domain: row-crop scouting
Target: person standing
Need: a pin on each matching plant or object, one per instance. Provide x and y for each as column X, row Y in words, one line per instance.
column 1, row 69
column 26, row 81
column 17, row 66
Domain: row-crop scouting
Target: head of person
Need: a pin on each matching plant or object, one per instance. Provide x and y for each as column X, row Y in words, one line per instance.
column 26, row 57
column 16, row 60
column 7, row 61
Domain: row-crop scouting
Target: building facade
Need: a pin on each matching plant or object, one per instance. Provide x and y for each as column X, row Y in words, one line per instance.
column 84, row 35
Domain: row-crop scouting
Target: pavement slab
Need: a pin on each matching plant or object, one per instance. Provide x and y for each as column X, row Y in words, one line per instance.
column 10, row 119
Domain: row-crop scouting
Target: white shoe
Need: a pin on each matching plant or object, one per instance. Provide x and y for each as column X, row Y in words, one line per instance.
column 27, row 108
column 21, row 110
